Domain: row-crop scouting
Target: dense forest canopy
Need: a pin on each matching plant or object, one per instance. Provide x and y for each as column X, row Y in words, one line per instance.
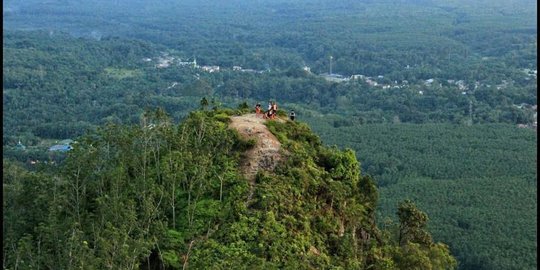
column 427, row 92
column 365, row 37
column 56, row 86
column 477, row 184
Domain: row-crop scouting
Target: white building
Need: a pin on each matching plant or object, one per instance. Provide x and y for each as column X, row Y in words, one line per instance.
column 210, row 68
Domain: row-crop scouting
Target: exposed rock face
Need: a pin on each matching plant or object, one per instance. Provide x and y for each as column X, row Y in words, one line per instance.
column 265, row 154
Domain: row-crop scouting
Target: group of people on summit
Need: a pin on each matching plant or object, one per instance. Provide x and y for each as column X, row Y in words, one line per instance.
column 271, row 112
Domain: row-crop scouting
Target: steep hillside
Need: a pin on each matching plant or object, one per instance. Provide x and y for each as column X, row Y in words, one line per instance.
column 159, row 196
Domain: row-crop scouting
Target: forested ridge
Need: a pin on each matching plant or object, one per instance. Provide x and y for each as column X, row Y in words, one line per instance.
column 437, row 98
column 164, row 196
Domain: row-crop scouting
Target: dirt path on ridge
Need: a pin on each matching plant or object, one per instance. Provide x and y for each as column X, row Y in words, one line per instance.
column 265, row 154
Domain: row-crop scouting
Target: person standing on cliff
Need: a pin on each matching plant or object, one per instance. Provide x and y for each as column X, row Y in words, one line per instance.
column 268, row 113
column 274, row 110
column 257, row 109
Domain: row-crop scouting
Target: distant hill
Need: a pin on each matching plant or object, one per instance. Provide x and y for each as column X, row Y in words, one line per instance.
column 164, row 196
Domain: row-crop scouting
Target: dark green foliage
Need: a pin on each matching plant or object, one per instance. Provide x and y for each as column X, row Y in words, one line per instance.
column 487, row 222
column 477, row 184
column 413, row 224
column 204, row 103
column 244, row 107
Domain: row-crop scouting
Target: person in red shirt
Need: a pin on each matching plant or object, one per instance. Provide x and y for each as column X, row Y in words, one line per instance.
column 257, row 109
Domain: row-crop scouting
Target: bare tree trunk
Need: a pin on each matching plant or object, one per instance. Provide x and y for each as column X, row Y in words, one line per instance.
column 173, row 205
column 220, row 188
column 186, row 258
column 355, row 242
